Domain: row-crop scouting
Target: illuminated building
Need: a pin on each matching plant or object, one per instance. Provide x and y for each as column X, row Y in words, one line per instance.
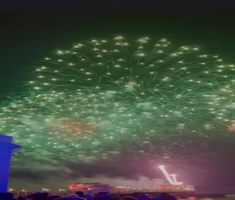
column 85, row 187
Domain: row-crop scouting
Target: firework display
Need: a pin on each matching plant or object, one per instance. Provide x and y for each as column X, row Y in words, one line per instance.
column 102, row 96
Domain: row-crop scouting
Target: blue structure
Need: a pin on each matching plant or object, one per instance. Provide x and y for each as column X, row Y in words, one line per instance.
column 6, row 150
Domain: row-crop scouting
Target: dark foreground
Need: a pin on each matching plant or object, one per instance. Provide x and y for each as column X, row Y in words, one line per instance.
column 107, row 196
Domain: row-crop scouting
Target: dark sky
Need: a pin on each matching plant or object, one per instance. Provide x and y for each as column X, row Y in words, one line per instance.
column 122, row 5
column 25, row 37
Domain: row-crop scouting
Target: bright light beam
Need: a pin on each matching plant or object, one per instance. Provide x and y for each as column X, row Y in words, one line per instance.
column 173, row 176
column 166, row 174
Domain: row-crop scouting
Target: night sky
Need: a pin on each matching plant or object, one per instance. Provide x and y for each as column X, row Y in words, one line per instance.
column 204, row 158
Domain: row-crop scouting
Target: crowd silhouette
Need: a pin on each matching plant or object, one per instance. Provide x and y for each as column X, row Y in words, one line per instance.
column 98, row 196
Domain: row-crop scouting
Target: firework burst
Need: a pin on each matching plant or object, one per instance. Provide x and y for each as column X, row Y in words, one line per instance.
column 109, row 94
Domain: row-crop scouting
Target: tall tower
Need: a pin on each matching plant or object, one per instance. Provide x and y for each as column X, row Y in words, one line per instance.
column 6, row 150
